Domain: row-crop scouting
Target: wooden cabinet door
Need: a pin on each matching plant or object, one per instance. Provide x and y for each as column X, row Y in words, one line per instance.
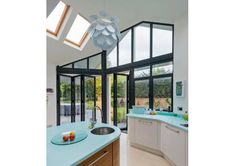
column 174, row 144
column 101, row 158
column 146, row 133
column 116, row 153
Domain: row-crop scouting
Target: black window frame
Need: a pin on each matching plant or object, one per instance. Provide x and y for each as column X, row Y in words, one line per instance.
column 104, row 71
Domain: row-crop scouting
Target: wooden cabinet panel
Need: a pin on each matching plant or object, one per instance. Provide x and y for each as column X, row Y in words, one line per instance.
column 108, row 156
column 116, row 153
column 101, row 158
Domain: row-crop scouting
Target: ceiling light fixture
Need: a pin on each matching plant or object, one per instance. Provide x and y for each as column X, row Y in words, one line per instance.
column 104, row 30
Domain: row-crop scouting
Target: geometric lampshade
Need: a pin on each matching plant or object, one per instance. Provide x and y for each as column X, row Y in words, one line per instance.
column 104, row 30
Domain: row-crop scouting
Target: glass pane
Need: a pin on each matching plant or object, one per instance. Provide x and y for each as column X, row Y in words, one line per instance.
column 125, row 49
column 121, row 101
column 112, row 58
column 68, row 66
column 65, row 100
column 162, row 93
column 95, row 62
column 55, row 17
column 142, row 42
column 142, row 72
column 98, row 98
column 163, row 68
column 142, row 93
column 110, row 98
column 78, row 31
column 78, row 99
column 162, row 40
column 81, row 64
column 89, row 97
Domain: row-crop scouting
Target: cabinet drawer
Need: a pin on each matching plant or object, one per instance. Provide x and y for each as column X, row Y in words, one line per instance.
column 102, row 158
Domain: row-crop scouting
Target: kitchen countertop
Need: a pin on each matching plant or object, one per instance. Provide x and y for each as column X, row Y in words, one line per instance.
column 74, row 154
column 171, row 120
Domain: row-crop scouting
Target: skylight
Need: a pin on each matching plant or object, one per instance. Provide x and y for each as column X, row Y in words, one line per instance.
column 56, row 18
column 78, row 32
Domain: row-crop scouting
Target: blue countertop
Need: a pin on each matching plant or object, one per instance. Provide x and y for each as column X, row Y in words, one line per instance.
column 70, row 155
column 171, row 120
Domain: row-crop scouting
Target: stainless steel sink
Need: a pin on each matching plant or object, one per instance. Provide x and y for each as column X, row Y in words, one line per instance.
column 102, row 131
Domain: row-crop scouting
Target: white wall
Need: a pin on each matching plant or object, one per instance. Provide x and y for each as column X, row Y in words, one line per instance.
column 51, row 98
column 181, row 60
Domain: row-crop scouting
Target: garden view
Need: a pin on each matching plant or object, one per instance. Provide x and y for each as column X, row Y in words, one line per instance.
column 161, row 92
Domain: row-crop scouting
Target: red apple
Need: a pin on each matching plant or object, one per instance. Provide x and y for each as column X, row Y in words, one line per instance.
column 65, row 138
column 72, row 137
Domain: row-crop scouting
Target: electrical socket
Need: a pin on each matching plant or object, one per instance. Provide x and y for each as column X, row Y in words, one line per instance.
column 180, row 108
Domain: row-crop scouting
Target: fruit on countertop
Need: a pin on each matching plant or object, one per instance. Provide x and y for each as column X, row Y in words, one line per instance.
column 72, row 133
column 71, row 137
column 185, row 116
column 65, row 138
column 153, row 113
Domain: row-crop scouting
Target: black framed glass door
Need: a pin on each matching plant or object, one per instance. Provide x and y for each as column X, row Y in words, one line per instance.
column 65, row 99
column 90, row 96
column 78, row 108
column 120, row 100
column 77, row 98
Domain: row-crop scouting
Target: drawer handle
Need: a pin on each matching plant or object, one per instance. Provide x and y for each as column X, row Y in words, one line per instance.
column 141, row 121
column 176, row 131
column 104, row 154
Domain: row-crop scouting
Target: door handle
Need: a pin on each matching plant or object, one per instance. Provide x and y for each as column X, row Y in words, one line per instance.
column 145, row 122
column 104, row 154
column 176, row 131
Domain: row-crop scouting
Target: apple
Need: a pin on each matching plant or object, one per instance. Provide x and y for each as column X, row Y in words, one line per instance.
column 72, row 133
column 72, row 137
column 65, row 138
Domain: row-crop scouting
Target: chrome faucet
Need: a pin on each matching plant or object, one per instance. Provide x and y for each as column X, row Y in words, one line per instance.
column 93, row 120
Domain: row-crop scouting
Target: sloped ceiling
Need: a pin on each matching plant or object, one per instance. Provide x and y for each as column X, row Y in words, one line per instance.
column 128, row 11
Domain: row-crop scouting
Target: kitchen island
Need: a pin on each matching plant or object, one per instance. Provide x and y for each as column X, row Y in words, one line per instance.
column 91, row 149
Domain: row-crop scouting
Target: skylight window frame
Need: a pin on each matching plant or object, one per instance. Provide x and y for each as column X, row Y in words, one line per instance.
column 84, row 38
column 61, row 20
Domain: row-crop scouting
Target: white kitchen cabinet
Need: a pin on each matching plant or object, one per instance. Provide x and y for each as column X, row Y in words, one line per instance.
column 131, row 129
column 174, row 144
column 146, row 133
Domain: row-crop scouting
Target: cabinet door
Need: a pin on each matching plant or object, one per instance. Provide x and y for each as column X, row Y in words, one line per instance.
column 101, row 158
column 131, row 129
column 146, row 133
column 174, row 144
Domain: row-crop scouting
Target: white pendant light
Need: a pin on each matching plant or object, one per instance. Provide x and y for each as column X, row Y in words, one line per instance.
column 104, row 30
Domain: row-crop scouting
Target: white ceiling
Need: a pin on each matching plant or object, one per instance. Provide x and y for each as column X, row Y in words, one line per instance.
column 128, row 11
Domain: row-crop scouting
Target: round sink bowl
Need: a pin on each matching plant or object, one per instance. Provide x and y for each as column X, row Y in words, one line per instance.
column 102, row 131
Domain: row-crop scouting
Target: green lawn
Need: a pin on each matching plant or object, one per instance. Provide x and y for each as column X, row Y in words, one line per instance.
column 121, row 115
